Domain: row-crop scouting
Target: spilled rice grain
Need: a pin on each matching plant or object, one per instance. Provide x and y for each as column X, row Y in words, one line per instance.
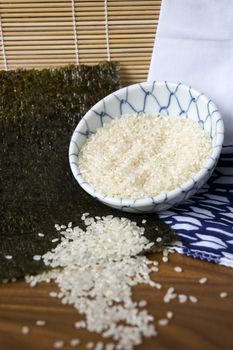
column 75, row 342
column 223, row 295
column 193, row 299
column 25, row 330
column 40, row 323
column 203, row 280
column 163, row 322
column 169, row 314
column 58, row 344
column 178, row 269
column 100, row 265
column 182, row 298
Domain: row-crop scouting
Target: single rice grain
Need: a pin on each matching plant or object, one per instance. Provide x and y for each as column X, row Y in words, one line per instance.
column 163, row 322
column 25, row 330
column 223, row 295
column 74, row 342
column 203, row 280
column 58, row 344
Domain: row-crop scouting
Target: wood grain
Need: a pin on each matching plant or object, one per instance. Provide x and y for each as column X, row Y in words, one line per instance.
column 206, row 325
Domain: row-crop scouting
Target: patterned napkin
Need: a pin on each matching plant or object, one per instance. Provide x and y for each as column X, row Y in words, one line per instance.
column 194, row 46
column 205, row 221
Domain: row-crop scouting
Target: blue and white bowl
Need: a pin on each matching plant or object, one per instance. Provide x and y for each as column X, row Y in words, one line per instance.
column 151, row 97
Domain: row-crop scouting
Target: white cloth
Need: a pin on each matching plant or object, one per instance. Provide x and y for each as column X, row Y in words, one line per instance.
column 194, row 45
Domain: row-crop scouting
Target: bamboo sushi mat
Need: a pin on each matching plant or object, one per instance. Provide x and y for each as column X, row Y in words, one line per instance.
column 49, row 33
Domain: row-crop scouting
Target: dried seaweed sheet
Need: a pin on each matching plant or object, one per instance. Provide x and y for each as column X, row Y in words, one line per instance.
column 39, row 110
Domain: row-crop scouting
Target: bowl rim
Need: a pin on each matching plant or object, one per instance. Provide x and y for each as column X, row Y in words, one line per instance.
column 164, row 196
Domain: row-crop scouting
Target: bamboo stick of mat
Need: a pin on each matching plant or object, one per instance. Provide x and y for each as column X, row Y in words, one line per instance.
column 49, row 33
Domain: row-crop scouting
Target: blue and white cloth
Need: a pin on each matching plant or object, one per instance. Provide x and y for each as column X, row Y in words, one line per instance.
column 205, row 221
column 194, row 45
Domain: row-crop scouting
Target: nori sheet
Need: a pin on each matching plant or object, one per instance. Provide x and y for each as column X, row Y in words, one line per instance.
column 39, row 110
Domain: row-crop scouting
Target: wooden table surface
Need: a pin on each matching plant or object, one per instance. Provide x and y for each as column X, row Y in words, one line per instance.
column 206, row 325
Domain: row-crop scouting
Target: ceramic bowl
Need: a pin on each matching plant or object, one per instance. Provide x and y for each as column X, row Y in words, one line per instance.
column 151, row 97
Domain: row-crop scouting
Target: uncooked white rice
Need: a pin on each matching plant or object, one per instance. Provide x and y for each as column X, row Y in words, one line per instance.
column 40, row 323
column 99, row 346
column 74, row 342
column 193, row 299
column 25, row 330
column 100, row 242
column 178, row 269
column 80, row 324
column 58, row 344
column 182, row 298
column 169, row 315
column 203, row 280
column 138, row 156
column 157, row 285
column 110, row 346
column 37, row 257
column 163, row 322
column 142, row 303
column 223, row 294
column 155, row 269
column 170, row 294
column 8, row 257
column 100, row 266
